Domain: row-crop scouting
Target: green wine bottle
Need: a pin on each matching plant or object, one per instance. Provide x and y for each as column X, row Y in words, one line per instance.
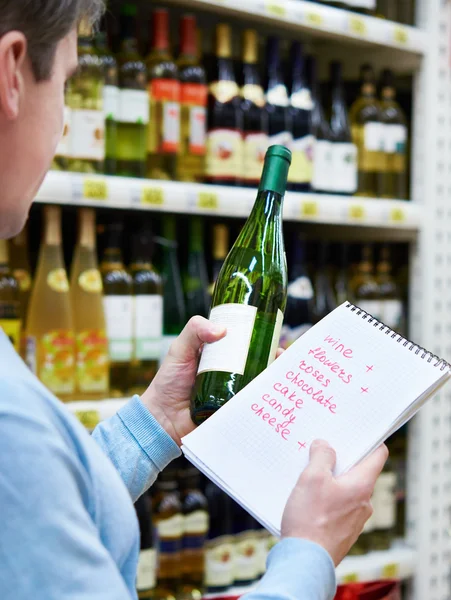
column 196, row 278
column 249, row 298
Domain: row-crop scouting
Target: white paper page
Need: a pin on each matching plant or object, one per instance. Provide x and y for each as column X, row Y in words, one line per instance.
column 344, row 381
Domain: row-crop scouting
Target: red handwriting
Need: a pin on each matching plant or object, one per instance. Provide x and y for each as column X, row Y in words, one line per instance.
column 317, row 395
column 279, row 427
column 338, row 346
column 316, row 374
column 302, row 446
column 320, row 355
column 285, row 391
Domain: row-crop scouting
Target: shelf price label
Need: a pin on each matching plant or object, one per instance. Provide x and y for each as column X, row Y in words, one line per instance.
column 390, row 571
column 357, row 26
column 356, row 212
column 275, row 9
column 397, row 215
column 208, row 200
column 89, row 418
column 309, row 208
column 152, row 196
column 313, row 18
column 95, row 189
column 400, row 35
column 350, row 578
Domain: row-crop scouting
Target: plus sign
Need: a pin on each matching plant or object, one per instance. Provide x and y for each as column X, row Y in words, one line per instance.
column 364, row 390
column 301, row 445
column 369, row 368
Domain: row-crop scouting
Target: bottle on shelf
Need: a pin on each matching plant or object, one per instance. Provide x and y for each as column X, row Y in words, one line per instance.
column 193, row 98
column 196, row 278
column 325, row 301
column 341, row 285
column 387, row 9
column 300, row 296
column 363, row 285
column 250, row 297
column 384, row 504
column 168, row 521
column 391, row 302
column 322, row 161
column 225, row 117
column 394, row 175
column 20, row 266
column 147, row 564
column 118, row 307
column 148, row 314
column 277, row 101
column 174, row 309
column 301, row 105
column 255, row 117
column 62, row 153
column 220, row 251
column 406, row 12
column 10, row 308
column 110, row 97
column 368, row 135
column 50, row 352
column 195, row 531
column 164, row 94
column 344, row 151
column 86, row 293
column 133, row 117
column 247, row 560
column 85, row 99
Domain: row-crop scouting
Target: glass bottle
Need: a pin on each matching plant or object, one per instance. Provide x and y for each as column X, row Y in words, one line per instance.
column 325, row 301
column 20, row 266
column 322, row 161
column 220, row 251
column 342, row 278
column 147, row 564
column 250, row 297
column 277, row 101
column 196, row 278
column 246, row 565
column 163, row 142
column 392, row 307
column 10, row 308
column 363, row 286
column 86, row 288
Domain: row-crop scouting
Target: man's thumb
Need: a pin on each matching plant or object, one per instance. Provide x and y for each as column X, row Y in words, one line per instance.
column 322, row 455
column 197, row 332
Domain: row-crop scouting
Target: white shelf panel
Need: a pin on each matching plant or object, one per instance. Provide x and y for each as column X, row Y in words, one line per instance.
column 320, row 21
column 91, row 412
column 189, row 198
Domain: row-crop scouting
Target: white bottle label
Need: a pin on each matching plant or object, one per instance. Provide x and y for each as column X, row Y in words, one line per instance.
column 344, row 168
column 302, row 99
column 284, row 138
column 247, row 562
column 166, row 343
column 88, row 134
column 196, row 523
column 63, row 148
column 278, row 96
column 372, row 307
column 133, row 106
column 119, row 322
column 384, row 501
column 392, row 312
column 171, row 124
column 197, row 129
column 322, row 166
column 111, row 102
column 301, row 170
column 170, row 528
column 367, row 4
column 147, row 570
column 395, row 138
column 301, row 288
column 148, row 326
column 373, row 136
column 229, row 355
column 276, row 337
column 219, row 562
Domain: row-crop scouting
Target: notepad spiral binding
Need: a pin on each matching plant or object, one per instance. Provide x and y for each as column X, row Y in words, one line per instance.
column 399, row 338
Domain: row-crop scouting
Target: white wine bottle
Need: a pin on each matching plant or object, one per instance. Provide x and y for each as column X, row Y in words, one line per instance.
column 20, row 267
column 249, row 298
column 50, row 334
column 88, row 315
column 10, row 320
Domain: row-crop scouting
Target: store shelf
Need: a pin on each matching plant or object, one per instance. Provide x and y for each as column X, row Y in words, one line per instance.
column 189, row 198
column 91, row 413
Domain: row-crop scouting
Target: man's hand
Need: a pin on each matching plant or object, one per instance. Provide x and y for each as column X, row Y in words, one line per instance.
column 332, row 511
column 168, row 396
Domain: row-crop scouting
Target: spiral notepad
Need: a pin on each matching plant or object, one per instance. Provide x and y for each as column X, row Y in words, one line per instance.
column 350, row 380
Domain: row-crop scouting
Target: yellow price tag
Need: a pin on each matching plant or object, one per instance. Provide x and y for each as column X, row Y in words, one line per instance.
column 89, row 418
column 357, row 212
column 309, row 208
column 95, row 189
column 276, row 9
column 208, row 200
column 401, row 35
column 397, row 215
column 314, row 18
column 391, row 571
column 358, row 26
column 350, row 578
column 153, row 196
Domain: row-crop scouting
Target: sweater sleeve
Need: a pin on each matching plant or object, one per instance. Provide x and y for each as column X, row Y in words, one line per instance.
column 137, row 445
column 296, row 569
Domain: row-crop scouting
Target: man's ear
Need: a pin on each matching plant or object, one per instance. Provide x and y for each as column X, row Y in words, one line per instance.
column 13, row 51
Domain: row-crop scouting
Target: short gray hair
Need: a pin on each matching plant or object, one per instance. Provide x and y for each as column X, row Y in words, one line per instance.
column 45, row 23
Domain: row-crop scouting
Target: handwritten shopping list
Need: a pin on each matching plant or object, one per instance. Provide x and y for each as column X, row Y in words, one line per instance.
column 344, row 381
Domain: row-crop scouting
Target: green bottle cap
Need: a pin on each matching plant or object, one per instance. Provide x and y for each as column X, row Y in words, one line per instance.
column 275, row 170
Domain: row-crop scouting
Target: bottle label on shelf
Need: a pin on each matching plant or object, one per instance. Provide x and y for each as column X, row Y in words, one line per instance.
column 119, row 321
column 111, row 102
column 88, row 134
column 255, row 146
column 194, row 111
column 92, row 361
column 302, row 150
column 196, row 523
column 384, row 501
column 12, row 329
column 24, row 279
column 229, row 355
column 392, row 313
column 372, row 307
column 56, row 361
column 302, row 99
column 284, row 138
column 278, row 95
column 395, row 138
column 63, row 148
column 224, row 91
column 373, row 137
column 170, row 529
column 322, row 166
column 166, row 343
column 146, row 578
column 148, row 326
column 224, row 153
column 165, row 110
column 276, row 337
column 369, row 139
column 133, row 106
column 90, row 281
column 344, row 168
column 219, row 562
column 247, row 560
column 254, row 93
column 57, row 281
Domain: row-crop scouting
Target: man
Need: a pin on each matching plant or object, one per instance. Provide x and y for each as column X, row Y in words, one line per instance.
column 68, row 526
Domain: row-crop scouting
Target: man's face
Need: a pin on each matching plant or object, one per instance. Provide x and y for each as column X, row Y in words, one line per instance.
column 31, row 122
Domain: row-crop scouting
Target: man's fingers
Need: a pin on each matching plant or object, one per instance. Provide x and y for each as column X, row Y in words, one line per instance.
column 322, row 456
column 198, row 331
column 370, row 468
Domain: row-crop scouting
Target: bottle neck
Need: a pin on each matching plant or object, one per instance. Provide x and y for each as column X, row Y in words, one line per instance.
column 4, row 253
column 196, row 235
column 52, row 231
column 250, row 47
column 368, row 90
column 188, row 37
column 299, row 258
column 388, row 94
column 220, row 248
column 87, row 237
column 160, row 31
column 112, row 256
column 223, row 42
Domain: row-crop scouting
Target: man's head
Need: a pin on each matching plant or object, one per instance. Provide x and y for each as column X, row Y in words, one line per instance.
column 38, row 53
